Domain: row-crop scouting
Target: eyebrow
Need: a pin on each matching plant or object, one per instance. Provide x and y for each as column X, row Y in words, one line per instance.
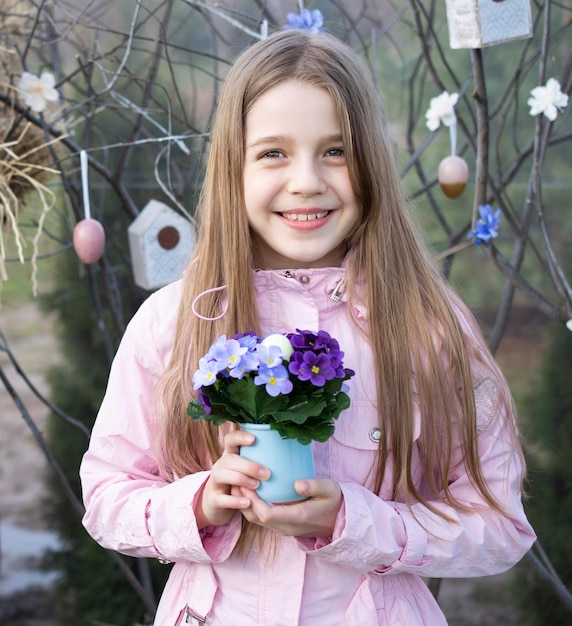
column 278, row 139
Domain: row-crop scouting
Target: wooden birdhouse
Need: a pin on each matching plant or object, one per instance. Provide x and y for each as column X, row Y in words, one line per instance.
column 481, row 23
column 161, row 243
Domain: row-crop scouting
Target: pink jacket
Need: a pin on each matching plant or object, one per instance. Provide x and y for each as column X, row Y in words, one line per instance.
column 368, row 574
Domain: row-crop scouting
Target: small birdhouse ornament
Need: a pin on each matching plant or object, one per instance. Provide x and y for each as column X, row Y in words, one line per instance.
column 161, row 243
column 482, row 23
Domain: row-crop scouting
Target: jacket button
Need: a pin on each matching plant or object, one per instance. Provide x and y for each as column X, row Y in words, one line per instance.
column 304, row 279
column 375, row 435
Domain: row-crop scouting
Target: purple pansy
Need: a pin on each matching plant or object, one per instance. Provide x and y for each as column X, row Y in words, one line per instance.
column 206, row 374
column 318, row 343
column 314, row 367
column 205, row 401
column 248, row 363
column 247, row 340
column 269, row 356
column 276, row 380
column 225, row 353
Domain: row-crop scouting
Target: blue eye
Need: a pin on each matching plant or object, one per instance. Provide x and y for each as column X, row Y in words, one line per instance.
column 335, row 152
column 272, row 154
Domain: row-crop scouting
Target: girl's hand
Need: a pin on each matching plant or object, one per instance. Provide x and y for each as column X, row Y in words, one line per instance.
column 314, row 517
column 217, row 501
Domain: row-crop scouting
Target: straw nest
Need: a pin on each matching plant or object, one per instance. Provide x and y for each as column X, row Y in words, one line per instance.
column 26, row 150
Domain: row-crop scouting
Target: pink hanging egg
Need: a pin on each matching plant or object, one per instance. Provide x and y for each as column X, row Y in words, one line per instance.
column 453, row 175
column 89, row 241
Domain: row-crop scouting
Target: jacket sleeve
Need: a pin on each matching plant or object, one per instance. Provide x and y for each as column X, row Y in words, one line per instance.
column 373, row 535
column 129, row 507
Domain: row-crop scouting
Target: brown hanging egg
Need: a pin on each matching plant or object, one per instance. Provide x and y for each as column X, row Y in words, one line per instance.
column 453, row 175
column 89, row 241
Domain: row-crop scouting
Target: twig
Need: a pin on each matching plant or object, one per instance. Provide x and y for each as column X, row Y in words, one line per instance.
column 548, row 574
column 63, row 481
column 4, row 347
column 251, row 33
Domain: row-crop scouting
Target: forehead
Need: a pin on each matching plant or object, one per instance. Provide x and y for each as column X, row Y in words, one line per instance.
column 292, row 105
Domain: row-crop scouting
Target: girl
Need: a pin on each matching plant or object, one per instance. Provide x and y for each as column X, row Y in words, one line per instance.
column 304, row 225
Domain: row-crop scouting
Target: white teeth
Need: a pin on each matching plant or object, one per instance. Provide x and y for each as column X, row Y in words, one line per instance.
column 304, row 217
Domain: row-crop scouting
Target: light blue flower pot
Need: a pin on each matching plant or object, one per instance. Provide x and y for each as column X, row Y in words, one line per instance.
column 287, row 459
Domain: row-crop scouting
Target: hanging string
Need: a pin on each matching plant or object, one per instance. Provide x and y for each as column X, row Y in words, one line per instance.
column 453, row 135
column 85, row 184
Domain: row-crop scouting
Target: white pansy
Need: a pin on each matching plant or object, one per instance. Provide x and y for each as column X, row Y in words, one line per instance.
column 547, row 100
column 442, row 110
column 37, row 91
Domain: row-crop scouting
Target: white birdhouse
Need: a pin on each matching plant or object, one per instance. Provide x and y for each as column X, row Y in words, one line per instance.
column 481, row 23
column 161, row 243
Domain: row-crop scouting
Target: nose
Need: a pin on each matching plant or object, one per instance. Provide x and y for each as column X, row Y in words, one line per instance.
column 306, row 178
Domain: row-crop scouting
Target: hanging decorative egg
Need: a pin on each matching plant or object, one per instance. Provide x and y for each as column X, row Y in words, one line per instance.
column 453, row 175
column 89, row 240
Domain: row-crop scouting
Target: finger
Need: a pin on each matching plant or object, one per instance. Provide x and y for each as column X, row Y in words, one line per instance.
column 260, row 509
column 316, row 488
column 225, row 477
column 226, row 501
column 236, row 463
column 219, row 508
column 234, row 439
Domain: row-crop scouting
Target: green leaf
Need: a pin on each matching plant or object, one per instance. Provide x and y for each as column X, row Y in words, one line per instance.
column 307, row 407
column 290, row 416
column 268, row 405
column 195, row 410
column 243, row 394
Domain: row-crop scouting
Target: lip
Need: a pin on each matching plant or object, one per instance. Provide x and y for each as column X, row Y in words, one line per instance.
column 311, row 224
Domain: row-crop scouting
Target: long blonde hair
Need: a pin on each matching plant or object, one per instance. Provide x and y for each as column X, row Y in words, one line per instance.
column 412, row 327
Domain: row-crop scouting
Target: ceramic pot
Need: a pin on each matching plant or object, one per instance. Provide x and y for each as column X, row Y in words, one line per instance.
column 287, row 459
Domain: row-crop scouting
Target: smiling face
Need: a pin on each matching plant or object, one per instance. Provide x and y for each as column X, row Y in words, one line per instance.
column 300, row 203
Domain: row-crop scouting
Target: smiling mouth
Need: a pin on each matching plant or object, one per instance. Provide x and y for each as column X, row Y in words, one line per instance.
column 304, row 217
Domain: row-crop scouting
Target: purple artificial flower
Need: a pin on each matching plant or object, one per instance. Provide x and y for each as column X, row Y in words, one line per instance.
column 226, row 353
column 206, row 374
column 314, row 367
column 276, row 380
column 322, row 341
column 486, row 228
column 319, row 343
column 332, row 348
column 302, row 339
column 310, row 21
column 309, row 340
column 247, row 340
column 248, row 360
column 248, row 363
column 269, row 356
column 204, row 400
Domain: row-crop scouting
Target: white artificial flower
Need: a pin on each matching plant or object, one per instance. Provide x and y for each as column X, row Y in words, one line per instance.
column 442, row 110
column 548, row 100
column 37, row 91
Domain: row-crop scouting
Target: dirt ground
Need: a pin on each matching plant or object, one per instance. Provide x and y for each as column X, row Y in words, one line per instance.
column 22, row 469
